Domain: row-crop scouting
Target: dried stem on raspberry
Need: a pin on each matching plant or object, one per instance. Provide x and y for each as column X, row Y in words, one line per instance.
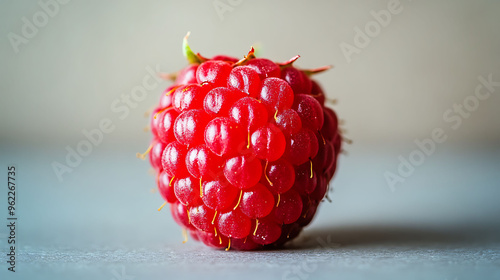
column 308, row 203
column 189, row 217
column 331, row 101
column 310, row 161
column 279, row 199
column 265, row 174
column 143, row 156
column 347, row 140
column 188, row 88
column 288, row 63
column 149, row 111
column 171, row 91
column 215, row 230
column 215, row 216
column 163, row 205
column 244, row 60
column 248, row 140
column 256, row 226
column 201, row 188
column 162, row 110
column 159, row 112
column 305, row 214
column 185, row 235
column 229, row 245
column 310, row 72
column 322, row 137
column 202, row 57
column 239, row 200
column 327, row 197
column 171, row 180
column 168, row 76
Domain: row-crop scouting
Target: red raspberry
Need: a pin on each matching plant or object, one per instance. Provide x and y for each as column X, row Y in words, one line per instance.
column 244, row 150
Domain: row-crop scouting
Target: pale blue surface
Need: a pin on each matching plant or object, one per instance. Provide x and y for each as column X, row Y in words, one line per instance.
column 441, row 224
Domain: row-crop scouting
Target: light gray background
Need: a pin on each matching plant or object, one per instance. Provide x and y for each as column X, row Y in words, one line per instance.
column 441, row 223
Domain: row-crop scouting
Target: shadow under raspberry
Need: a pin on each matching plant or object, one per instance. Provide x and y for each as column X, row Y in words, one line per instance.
column 413, row 236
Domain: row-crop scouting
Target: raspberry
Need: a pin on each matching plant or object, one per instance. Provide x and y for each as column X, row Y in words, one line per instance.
column 243, row 149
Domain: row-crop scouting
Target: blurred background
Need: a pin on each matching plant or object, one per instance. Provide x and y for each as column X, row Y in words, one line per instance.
column 402, row 69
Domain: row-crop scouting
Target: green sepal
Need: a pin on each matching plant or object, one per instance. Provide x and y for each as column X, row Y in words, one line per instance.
column 188, row 53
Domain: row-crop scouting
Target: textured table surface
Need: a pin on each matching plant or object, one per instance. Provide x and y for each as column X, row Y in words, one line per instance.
column 101, row 223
